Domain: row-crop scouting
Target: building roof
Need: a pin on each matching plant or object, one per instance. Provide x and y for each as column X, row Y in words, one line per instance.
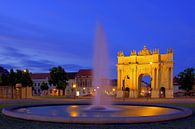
column 84, row 72
column 40, row 75
column 71, row 75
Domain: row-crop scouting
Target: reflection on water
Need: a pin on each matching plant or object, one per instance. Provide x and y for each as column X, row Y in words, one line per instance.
column 73, row 111
column 144, row 111
column 79, row 111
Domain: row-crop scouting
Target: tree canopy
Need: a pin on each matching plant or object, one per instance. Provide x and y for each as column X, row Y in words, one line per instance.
column 44, row 86
column 4, row 76
column 186, row 79
column 12, row 78
column 58, row 77
column 24, row 77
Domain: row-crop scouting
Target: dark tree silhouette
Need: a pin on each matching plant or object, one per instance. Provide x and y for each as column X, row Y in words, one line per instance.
column 44, row 86
column 4, row 77
column 58, row 78
column 186, row 79
column 23, row 77
column 12, row 78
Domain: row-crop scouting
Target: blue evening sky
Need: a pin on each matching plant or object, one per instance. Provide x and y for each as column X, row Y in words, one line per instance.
column 39, row 34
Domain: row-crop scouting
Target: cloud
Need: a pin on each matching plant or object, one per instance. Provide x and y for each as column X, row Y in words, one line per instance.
column 20, row 60
column 47, row 42
column 27, row 45
column 72, row 67
column 13, row 52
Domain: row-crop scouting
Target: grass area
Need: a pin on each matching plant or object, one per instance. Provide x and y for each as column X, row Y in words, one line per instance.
column 187, row 105
column 6, row 104
column 54, row 97
column 60, row 97
column 16, row 103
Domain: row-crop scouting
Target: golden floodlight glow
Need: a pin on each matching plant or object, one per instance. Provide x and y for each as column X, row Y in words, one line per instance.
column 73, row 110
column 113, row 89
column 74, row 85
column 146, row 62
column 83, row 88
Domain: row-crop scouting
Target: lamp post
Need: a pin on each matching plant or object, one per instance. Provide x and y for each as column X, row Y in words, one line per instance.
column 74, row 90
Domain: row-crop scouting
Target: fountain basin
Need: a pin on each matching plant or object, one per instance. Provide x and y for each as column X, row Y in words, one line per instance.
column 76, row 113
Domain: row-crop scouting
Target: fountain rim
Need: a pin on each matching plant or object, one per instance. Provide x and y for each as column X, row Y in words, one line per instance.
column 184, row 112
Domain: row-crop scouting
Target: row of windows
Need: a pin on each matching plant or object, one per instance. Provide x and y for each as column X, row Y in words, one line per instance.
column 39, row 84
column 84, row 82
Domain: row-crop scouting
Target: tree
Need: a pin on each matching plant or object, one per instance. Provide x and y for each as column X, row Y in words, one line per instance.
column 24, row 78
column 58, row 78
column 4, row 76
column 4, row 79
column 44, row 86
column 186, row 79
column 12, row 78
column 3, row 71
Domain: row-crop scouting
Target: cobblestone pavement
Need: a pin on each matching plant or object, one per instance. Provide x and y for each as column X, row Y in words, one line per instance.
column 187, row 123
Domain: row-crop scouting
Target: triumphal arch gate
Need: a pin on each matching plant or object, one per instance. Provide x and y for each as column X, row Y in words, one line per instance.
column 132, row 68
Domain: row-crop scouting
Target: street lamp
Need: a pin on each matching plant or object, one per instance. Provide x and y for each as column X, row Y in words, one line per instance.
column 74, row 86
column 74, row 90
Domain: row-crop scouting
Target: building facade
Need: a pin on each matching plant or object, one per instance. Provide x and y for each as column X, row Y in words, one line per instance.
column 71, row 81
column 38, row 78
column 84, row 82
column 79, row 83
column 159, row 67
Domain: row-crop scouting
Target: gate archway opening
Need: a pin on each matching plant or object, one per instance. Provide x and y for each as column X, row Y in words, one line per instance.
column 162, row 92
column 144, row 86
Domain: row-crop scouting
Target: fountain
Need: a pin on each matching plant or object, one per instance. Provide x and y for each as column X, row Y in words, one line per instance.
column 100, row 72
column 101, row 111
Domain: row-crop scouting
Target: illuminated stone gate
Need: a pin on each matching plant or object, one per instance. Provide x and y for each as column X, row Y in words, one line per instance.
column 151, row 63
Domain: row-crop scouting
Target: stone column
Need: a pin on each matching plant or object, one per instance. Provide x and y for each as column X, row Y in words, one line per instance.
column 120, row 93
column 169, row 92
column 119, row 80
column 157, row 79
column 171, row 77
column 155, row 90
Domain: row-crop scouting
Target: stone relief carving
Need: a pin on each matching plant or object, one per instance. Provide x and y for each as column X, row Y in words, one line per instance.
column 133, row 53
column 120, row 53
column 144, row 52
